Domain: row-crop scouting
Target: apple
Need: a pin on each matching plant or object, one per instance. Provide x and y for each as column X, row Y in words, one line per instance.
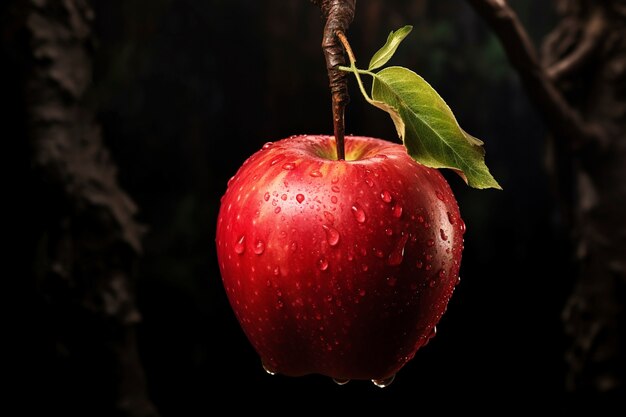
column 338, row 267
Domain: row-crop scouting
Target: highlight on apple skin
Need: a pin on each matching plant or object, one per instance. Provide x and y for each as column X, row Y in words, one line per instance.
column 338, row 267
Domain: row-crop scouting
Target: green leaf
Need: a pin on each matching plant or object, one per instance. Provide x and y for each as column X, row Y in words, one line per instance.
column 428, row 127
column 385, row 53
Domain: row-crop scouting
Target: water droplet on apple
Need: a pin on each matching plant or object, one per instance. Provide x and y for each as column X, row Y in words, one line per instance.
column 397, row 254
column 420, row 219
column 433, row 332
column 277, row 210
column 443, row 234
column 322, row 264
column 379, row 253
column 450, row 217
column 429, row 267
column 432, row 283
column 276, row 159
column 335, row 188
column 359, row 214
column 266, row 197
column 268, row 369
column 333, row 199
column 429, row 257
column 240, row 248
column 362, row 292
column 279, row 305
column 283, row 197
column 300, row 198
column 383, row 383
column 462, row 225
column 335, row 180
column 430, row 243
column 277, row 273
column 364, row 267
column 439, row 195
column 388, row 232
column 329, row 216
column 369, row 182
column 259, row 248
column 396, row 210
column 442, row 273
column 419, row 264
column 385, row 196
column 267, row 145
column 289, row 166
column 293, row 246
column 315, row 174
column 230, row 181
column 340, row 381
column 332, row 235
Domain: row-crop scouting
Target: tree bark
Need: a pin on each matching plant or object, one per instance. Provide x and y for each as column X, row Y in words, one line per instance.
column 579, row 86
column 87, row 239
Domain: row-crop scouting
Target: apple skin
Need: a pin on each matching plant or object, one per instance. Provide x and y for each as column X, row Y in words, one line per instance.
column 341, row 268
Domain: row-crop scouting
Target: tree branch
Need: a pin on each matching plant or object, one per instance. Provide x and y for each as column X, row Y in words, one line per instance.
column 339, row 14
column 593, row 34
column 563, row 120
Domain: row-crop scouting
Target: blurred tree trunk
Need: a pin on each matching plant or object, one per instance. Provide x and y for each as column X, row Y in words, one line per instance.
column 586, row 57
column 83, row 224
column 579, row 86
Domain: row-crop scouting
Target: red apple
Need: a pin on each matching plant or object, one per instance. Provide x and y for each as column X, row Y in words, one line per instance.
column 341, row 268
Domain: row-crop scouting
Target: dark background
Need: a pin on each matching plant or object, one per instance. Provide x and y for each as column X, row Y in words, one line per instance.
column 186, row 90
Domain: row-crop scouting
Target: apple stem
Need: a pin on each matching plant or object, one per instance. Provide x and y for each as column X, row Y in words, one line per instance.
column 339, row 104
column 339, row 124
column 339, row 15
